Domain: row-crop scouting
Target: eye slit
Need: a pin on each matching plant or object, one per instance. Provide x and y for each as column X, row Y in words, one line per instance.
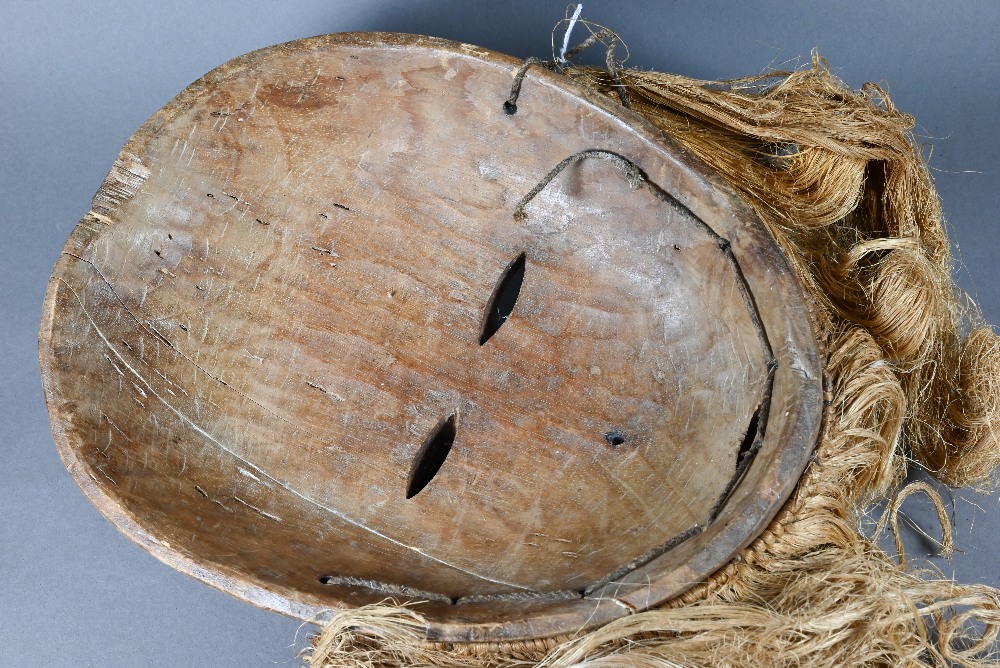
column 504, row 297
column 431, row 456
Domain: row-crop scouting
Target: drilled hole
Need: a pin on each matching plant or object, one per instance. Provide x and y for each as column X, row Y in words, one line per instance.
column 326, row 579
column 504, row 297
column 431, row 456
column 615, row 438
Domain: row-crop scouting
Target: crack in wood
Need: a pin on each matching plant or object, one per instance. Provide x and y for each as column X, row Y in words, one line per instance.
column 157, row 335
column 250, row 465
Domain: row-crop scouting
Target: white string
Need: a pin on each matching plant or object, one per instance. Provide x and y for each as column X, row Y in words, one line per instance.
column 569, row 30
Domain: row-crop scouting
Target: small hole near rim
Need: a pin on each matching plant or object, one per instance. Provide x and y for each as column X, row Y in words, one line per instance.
column 615, row 438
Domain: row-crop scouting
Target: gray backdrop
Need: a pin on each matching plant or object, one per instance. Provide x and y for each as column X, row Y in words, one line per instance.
column 77, row 78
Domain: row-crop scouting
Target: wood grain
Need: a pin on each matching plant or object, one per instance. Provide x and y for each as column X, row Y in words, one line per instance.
column 280, row 292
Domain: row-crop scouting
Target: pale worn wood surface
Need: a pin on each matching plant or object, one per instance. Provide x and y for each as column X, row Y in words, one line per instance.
column 280, row 291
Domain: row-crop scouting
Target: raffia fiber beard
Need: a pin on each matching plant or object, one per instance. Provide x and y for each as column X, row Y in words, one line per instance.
column 912, row 377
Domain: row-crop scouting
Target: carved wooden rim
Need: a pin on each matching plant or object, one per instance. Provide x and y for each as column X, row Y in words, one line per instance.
column 748, row 505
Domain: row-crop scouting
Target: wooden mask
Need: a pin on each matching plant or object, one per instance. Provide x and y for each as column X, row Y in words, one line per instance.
column 303, row 349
